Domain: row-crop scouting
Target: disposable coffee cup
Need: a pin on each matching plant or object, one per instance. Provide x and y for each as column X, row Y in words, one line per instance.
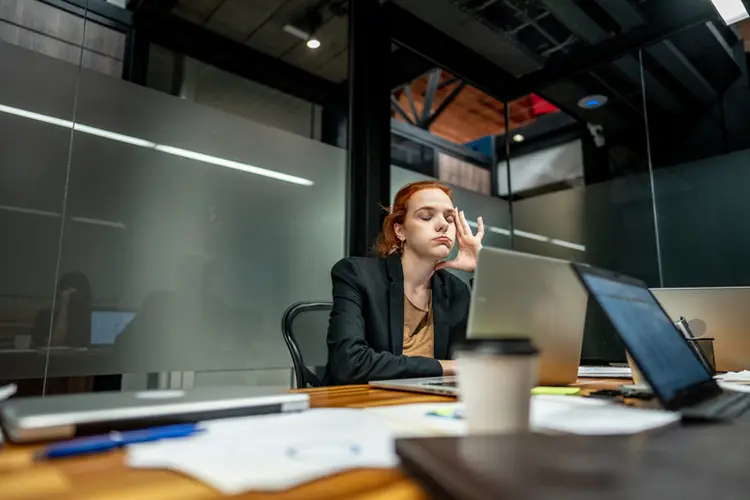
column 495, row 378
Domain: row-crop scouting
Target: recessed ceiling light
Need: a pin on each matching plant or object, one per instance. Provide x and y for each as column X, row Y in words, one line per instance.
column 593, row 101
column 313, row 43
column 518, row 138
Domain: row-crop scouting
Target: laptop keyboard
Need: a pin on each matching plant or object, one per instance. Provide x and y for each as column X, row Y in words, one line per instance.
column 728, row 406
column 604, row 372
column 449, row 383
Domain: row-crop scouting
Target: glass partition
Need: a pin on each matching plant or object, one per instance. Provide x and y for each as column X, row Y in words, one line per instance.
column 579, row 181
column 176, row 234
column 36, row 114
column 700, row 154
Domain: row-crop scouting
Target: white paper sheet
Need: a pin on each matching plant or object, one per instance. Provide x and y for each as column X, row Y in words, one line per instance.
column 594, row 417
column 742, row 377
column 6, row 391
column 734, row 386
column 274, row 452
column 568, row 414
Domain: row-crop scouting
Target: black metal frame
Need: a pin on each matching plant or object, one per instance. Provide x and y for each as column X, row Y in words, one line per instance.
column 444, row 104
column 422, row 136
column 135, row 63
column 190, row 39
column 412, row 33
column 427, row 117
column 586, row 58
column 369, row 124
column 97, row 11
column 302, row 374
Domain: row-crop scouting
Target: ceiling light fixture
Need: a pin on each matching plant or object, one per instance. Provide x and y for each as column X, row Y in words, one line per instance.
column 518, row 138
column 593, row 101
column 135, row 141
column 305, row 28
column 731, row 11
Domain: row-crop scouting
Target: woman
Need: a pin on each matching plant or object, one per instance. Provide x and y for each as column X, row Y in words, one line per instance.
column 72, row 317
column 397, row 316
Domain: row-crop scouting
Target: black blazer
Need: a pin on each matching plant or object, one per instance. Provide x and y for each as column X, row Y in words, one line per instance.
column 366, row 329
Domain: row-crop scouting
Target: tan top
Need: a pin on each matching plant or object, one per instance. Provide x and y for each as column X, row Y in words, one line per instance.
column 419, row 331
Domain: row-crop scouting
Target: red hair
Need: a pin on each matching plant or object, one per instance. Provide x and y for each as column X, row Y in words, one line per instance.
column 388, row 242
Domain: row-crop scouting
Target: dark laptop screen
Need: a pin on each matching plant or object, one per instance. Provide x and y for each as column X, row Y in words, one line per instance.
column 653, row 341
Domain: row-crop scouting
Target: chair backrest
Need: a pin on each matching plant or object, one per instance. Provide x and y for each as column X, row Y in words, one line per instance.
column 305, row 326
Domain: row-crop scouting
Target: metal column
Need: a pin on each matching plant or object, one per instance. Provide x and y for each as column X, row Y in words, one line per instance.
column 369, row 123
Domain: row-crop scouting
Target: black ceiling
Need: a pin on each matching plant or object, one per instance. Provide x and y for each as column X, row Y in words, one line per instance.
column 562, row 49
column 568, row 49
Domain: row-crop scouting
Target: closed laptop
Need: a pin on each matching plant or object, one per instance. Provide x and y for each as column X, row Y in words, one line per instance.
column 65, row 416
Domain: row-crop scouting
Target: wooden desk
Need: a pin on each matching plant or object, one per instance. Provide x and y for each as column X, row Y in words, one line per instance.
column 106, row 477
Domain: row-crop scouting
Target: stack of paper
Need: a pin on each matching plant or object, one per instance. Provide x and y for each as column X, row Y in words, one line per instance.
column 273, row 452
column 742, row 377
column 568, row 414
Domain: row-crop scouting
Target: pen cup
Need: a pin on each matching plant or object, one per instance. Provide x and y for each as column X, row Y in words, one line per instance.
column 495, row 378
column 704, row 347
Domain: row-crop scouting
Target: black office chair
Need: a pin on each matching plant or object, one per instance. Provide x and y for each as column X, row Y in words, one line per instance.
column 305, row 326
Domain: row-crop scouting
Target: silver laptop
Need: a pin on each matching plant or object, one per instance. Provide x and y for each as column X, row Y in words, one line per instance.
column 517, row 294
column 719, row 313
column 60, row 417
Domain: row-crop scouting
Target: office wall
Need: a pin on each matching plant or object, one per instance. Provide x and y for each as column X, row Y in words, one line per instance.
column 555, row 164
column 151, row 199
column 50, row 30
column 701, row 182
column 204, row 84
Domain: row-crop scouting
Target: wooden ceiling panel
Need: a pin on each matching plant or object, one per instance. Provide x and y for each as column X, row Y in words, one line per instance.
column 471, row 116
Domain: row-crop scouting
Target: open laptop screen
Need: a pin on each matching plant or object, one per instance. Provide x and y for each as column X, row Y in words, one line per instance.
column 106, row 326
column 659, row 349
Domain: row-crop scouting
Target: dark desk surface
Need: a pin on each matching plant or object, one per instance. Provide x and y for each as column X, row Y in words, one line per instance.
column 106, row 476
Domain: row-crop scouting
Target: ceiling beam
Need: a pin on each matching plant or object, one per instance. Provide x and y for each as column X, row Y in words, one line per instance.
column 412, row 33
column 158, row 5
column 406, row 66
column 211, row 48
column 689, row 13
column 582, row 25
column 99, row 11
column 664, row 52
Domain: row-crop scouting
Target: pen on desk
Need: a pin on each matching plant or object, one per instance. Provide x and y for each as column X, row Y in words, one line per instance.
column 97, row 444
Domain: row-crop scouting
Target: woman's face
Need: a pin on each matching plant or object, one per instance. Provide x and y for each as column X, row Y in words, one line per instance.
column 429, row 230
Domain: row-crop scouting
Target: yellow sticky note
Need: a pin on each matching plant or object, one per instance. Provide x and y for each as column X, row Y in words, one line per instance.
column 558, row 391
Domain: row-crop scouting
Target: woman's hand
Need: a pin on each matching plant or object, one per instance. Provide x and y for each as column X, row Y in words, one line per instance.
column 469, row 245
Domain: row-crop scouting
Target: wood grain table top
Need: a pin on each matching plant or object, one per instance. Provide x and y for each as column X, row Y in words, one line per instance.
column 105, row 476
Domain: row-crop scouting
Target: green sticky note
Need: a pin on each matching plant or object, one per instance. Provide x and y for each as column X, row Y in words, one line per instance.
column 558, row 391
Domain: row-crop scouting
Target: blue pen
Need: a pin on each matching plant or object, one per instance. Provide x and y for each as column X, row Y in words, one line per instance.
column 97, row 444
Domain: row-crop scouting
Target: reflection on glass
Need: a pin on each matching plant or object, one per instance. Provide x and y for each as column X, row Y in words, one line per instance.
column 444, row 129
column 700, row 154
column 69, row 324
column 153, row 234
column 33, row 169
column 579, row 178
